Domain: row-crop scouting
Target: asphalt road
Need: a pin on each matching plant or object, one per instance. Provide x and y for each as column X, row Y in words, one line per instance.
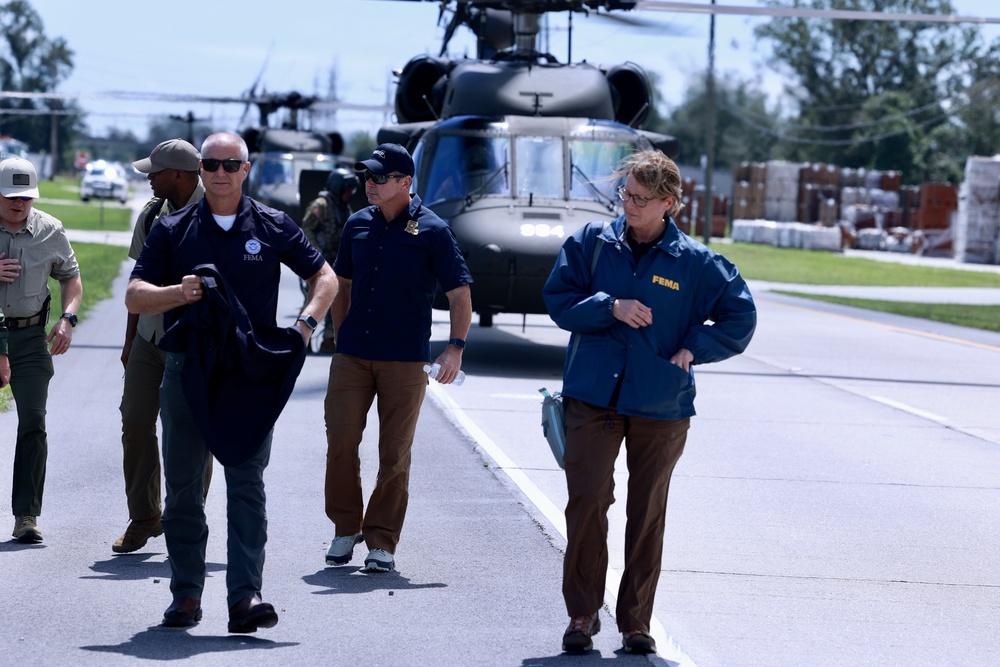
column 836, row 505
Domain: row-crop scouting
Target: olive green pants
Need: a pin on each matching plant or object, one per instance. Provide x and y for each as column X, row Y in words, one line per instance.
column 140, row 408
column 30, row 371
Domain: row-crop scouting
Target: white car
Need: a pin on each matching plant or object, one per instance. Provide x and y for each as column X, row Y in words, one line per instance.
column 104, row 180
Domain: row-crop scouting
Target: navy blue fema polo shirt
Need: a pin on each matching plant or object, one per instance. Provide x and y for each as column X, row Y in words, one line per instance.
column 249, row 255
column 395, row 268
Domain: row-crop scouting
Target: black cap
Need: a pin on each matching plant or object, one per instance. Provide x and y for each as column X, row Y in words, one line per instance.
column 387, row 159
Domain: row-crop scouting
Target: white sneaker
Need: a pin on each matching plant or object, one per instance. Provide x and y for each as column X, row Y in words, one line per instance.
column 379, row 560
column 342, row 549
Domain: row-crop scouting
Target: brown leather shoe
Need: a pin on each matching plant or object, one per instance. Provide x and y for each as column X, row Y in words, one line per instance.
column 577, row 638
column 137, row 534
column 250, row 613
column 182, row 613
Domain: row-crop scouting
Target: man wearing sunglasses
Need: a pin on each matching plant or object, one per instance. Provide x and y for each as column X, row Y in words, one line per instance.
column 33, row 247
column 393, row 256
column 172, row 172
column 213, row 269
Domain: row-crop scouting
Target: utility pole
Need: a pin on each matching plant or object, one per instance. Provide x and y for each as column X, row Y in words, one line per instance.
column 54, row 138
column 190, row 120
column 709, row 130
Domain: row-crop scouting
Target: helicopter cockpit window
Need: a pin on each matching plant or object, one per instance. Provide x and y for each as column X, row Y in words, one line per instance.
column 466, row 166
column 275, row 171
column 540, row 167
column 593, row 162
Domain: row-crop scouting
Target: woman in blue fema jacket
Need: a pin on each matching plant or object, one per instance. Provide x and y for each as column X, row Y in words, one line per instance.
column 645, row 303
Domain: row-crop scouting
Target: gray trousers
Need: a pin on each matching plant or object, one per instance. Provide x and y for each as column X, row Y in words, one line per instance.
column 185, row 460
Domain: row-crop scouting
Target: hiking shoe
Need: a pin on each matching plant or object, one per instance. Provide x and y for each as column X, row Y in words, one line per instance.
column 137, row 534
column 577, row 638
column 379, row 560
column 638, row 641
column 26, row 529
column 342, row 549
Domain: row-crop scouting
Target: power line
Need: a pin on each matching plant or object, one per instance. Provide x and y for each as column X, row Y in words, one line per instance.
column 884, row 120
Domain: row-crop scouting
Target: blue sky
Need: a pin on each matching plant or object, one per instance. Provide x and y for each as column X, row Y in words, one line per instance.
column 219, row 48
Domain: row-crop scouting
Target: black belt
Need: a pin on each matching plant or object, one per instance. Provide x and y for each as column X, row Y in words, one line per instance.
column 25, row 322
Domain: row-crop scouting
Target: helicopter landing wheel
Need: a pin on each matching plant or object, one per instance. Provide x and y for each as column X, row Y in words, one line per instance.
column 486, row 319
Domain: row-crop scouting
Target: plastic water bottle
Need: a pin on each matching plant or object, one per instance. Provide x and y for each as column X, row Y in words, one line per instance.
column 432, row 371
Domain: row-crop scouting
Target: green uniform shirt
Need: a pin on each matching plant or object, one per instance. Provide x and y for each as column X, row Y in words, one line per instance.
column 44, row 251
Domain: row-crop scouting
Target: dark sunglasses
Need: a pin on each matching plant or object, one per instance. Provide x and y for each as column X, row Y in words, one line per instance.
column 232, row 165
column 17, row 198
column 381, row 179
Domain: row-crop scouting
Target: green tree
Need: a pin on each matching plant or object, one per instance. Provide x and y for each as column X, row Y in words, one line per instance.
column 30, row 62
column 745, row 130
column 876, row 94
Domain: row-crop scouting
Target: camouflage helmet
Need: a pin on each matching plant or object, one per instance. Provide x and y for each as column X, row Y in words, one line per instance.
column 341, row 180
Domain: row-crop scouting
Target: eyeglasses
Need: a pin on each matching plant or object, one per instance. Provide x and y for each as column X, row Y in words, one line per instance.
column 638, row 200
column 381, row 179
column 17, row 198
column 232, row 165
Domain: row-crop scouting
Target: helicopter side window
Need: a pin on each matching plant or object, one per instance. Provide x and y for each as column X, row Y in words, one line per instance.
column 540, row 167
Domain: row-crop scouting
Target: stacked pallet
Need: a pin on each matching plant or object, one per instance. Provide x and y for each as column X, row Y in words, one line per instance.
column 819, row 192
column 781, row 191
column 748, row 191
column 977, row 224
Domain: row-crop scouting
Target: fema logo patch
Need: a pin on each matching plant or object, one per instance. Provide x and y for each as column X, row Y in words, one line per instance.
column 379, row 153
column 252, row 246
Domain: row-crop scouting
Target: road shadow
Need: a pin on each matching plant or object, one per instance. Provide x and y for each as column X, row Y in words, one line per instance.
column 160, row 643
column 12, row 545
column 351, row 580
column 595, row 657
column 132, row 567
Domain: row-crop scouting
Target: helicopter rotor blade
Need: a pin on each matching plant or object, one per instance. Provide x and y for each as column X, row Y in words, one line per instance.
column 803, row 12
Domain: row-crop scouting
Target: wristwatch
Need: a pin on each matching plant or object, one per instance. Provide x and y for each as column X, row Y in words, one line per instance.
column 457, row 342
column 69, row 317
column 309, row 320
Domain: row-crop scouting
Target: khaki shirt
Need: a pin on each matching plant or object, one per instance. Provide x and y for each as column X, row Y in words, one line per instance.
column 44, row 251
column 150, row 327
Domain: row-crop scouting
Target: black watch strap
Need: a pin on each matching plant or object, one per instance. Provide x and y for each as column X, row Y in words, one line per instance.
column 70, row 317
column 457, row 342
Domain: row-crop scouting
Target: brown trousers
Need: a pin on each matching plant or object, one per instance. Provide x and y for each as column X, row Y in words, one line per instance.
column 593, row 439
column 354, row 384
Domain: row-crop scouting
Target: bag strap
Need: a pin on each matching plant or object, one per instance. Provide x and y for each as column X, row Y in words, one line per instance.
column 593, row 266
column 148, row 222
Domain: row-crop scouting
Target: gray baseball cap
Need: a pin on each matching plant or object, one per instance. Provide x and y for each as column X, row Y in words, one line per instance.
column 171, row 154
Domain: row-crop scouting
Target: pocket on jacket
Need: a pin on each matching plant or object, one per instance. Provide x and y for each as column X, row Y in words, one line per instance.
column 663, row 388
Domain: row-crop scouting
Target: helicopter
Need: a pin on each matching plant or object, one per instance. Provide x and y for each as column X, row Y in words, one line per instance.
column 280, row 155
column 513, row 148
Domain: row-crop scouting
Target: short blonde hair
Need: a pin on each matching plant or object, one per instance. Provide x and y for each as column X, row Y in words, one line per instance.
column 654, row 171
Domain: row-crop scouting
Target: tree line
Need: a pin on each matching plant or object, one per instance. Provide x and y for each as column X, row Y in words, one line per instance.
column 917, row 98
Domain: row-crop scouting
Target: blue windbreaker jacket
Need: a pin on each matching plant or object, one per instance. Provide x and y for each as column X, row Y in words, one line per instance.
column 699, row 302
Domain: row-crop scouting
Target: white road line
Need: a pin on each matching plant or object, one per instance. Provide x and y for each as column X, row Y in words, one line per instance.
column 909, row 408
column 667, row 647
